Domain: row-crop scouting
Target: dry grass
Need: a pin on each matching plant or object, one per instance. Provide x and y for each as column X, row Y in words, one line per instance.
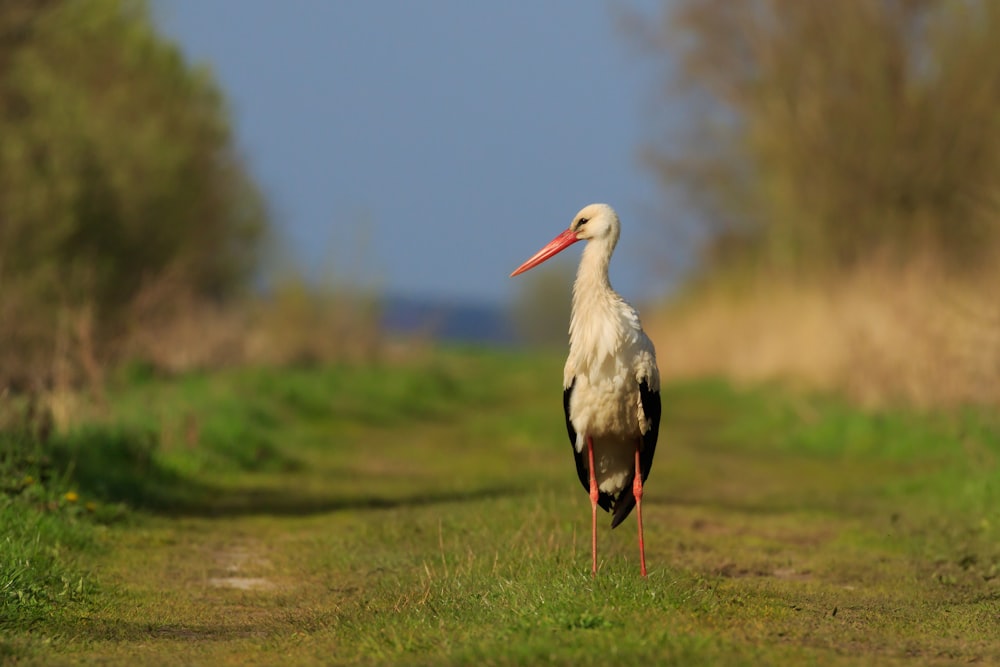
column 296, row 325
column 59, row 358
column 882, row 336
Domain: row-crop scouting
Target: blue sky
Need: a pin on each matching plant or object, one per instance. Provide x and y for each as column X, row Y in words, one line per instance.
column 427, row 148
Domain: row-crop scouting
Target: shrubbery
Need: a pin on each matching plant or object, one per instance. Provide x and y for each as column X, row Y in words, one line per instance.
column 118, row 175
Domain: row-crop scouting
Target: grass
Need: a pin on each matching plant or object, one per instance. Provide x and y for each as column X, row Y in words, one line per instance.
column 41, row 534
column 429, row 513
column 881, row 333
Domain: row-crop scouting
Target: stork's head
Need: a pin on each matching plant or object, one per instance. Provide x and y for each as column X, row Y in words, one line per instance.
column 596, row 222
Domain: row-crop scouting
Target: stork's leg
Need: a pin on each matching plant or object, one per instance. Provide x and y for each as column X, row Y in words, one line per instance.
column 637, row 492
column 593, row 507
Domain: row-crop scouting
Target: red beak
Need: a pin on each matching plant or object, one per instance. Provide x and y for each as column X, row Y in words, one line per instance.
column 554, row 247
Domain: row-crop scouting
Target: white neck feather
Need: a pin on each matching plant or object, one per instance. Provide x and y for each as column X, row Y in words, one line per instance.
column 600, row 319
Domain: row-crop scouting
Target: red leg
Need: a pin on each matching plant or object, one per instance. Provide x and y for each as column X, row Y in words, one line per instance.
column 637, row 492
column 593, row 507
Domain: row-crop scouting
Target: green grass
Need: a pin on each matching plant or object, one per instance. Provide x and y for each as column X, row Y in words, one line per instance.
column 429, row 513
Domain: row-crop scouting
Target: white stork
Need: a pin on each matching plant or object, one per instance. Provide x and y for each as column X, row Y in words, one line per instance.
column 611, row 385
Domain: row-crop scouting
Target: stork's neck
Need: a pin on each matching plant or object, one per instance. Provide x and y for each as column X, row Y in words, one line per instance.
column 592, row 276
column 602, row 323
column 597, row 327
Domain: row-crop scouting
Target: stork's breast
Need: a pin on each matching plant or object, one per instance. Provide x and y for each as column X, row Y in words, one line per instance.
column 605, row 408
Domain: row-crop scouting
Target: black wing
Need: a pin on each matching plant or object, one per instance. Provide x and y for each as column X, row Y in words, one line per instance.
column 651, row 409
column 604, row 500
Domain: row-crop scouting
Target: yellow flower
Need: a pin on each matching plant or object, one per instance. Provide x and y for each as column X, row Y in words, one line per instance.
column 71, row 497
column 91, row 506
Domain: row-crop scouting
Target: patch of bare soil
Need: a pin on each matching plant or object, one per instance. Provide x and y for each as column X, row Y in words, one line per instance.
column 242, row 567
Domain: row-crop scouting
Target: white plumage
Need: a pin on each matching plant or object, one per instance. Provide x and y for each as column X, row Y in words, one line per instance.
column 611, row 383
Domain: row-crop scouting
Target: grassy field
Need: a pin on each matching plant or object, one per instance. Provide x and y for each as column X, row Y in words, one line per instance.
column 429, row 513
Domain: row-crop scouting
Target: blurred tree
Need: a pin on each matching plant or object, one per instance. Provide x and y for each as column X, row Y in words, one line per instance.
column 543, row 303
column 117, row 167
column 827, row 133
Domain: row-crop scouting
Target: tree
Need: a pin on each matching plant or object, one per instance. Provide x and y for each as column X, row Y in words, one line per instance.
column 829, row 133
column 117, row 167
column 542, row 307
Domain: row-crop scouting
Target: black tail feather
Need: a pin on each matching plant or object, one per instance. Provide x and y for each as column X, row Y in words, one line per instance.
column 623, row 505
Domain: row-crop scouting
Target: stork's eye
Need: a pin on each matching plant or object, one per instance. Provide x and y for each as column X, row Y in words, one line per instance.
column 581, row 222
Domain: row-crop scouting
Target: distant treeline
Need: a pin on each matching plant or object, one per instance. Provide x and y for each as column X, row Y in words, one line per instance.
column 119, row 183
column 821, row 135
